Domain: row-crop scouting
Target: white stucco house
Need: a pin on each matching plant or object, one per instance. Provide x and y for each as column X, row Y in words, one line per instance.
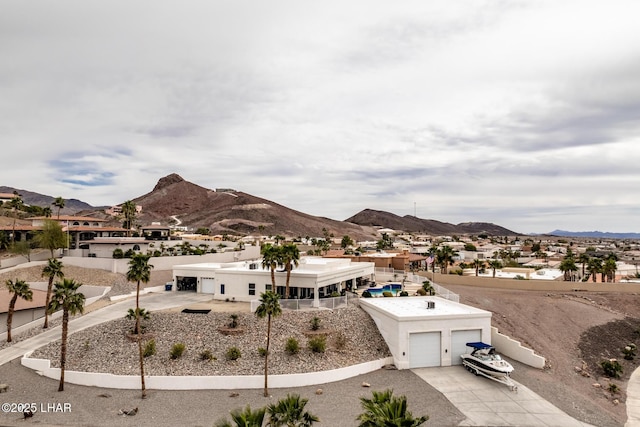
column 313, row 278
column 427, row 331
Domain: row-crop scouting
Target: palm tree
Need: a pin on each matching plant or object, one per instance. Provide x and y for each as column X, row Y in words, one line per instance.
column 584, row 260
column 129, row 212
column 290, row 258
column 16, row 205
column 139, row 271
column 52, row 270
column 67, row 297
column 271, row 257
column 244, row 418
column 269, row 307
column 478, row 264
column 19, row 289
column 134, row 314
column 444, row 257
column 58, row 203
column 568, row 266
column 385, row 409
column 595, row 267
column 46, row 212
column 609, row 268
column 289, row 412
column 495, row 264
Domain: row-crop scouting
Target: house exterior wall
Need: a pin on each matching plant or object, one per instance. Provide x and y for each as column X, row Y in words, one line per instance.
column 20, row 318
column 396, row 331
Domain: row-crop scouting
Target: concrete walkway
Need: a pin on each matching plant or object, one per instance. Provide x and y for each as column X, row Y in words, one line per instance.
column 489, row 403
column 633, row 400
column 151, row 302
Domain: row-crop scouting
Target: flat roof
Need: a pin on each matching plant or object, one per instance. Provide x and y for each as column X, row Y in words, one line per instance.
column 414, row 307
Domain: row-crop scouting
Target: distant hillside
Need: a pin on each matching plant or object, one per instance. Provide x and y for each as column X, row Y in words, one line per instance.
column 71, row 206
column 373, row 218
column 233, row 212
column 595, row 234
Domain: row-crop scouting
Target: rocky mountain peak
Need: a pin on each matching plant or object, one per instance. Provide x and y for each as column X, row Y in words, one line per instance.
column 168, row 180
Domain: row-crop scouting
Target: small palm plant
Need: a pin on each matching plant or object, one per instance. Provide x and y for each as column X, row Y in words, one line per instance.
column 246, row 417
column 142, row 313
column 234, row 321
column 385, row 409
column 289, row 412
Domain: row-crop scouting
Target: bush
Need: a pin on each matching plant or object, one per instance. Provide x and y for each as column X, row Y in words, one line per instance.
column 421, row 292
column 129, row 253
column 315, row 323
column 613, row 388
column 404, row 294
column 366, row 294
column 118, row 254
column 234, row 321
column 611, row 368
column 177, row 350
column 149, row 348
column 233, row 353
column 335, row 294
column 206, row 355
column 318, row 344
column 292, row 347
column 340, row 340
column 629, row 351
column 262, row 351
column 387, row 294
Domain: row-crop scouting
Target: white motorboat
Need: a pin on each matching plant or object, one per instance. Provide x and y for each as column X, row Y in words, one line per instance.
column 484, row 360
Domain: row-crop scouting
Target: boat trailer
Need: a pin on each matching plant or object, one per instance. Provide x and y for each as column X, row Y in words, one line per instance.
column 506, row 380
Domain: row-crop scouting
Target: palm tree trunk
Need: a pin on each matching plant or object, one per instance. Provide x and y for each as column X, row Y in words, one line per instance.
column 286, row 288
column 140, row 355
column 63, row 346
column 266, row 358
column 12, row 306
column 46, row 306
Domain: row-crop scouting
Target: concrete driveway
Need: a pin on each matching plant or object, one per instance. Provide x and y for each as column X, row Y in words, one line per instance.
column 489, row 403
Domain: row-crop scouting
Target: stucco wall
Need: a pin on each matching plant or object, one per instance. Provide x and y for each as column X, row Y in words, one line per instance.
column 530, row 285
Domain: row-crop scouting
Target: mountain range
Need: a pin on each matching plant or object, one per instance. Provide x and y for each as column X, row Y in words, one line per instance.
column 175, row 200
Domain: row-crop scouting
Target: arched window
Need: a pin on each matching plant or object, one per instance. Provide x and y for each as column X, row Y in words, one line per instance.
column 136, row 247
column 85, row 223
column 76, row 223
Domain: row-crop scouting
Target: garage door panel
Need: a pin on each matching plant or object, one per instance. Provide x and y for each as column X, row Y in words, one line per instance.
column 459, row 340
column 208, row 286
column 424, row 349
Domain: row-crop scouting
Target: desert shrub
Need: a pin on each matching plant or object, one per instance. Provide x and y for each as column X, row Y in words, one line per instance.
column 117, row 253
column 387, row 294
column 404, row 293
column 292, row 346
column 340, row 340
column 129, row 253
column 366, row 294
column 629, row 351
column 157, row 253
column 421, row 292
column 613, row 388
column 149, row 348
column 206, row 355
column 234, row 321
column 335, row 294
column 315, row 323
column 262, row 351
column 177, row 350
column 233, row 353
column 611, row 368
column 318, row 344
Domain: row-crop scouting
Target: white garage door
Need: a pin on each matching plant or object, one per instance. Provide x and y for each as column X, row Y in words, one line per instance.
column 459, row 340
column 424, row 349
column 207, row 285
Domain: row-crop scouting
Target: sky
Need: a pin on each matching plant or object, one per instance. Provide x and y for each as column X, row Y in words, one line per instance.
column 520, row 113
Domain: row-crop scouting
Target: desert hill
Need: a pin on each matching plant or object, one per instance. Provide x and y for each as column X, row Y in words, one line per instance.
column 71, row 206
column 409, row 223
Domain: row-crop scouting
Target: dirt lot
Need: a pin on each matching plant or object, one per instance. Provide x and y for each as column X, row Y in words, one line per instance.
column 572, row 330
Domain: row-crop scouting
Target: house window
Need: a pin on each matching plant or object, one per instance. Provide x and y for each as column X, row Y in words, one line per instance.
column 267, row 287
column 222, row 289
column 252, row 288
column 136, row 247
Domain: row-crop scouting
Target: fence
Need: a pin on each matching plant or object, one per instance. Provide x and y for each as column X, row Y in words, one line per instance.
column 307, row 304
column 387, row 274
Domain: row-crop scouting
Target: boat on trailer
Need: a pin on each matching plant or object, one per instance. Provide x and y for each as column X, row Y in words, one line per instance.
column 483, row 360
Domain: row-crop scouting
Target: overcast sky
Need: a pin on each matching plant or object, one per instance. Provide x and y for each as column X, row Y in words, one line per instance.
column 521, row 113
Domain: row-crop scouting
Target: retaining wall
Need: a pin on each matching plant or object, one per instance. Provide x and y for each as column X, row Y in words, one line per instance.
column 514, row 350
column 132, row 382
